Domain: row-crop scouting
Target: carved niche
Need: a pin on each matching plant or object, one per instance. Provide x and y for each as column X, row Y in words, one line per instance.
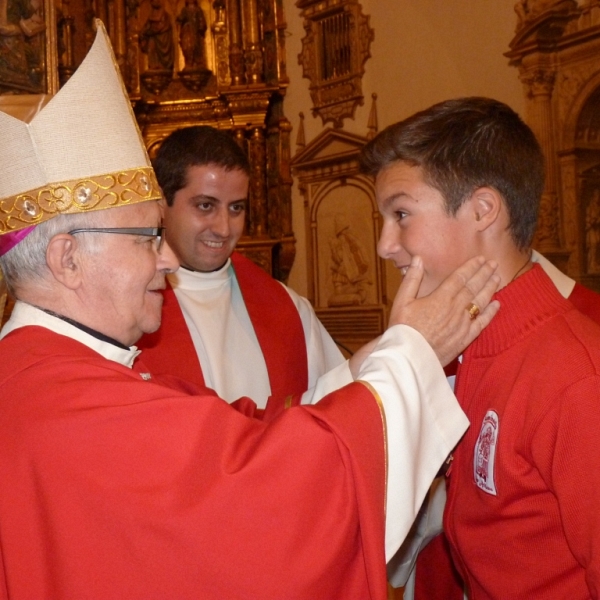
column 28, row 53
column 346, row 278
column 184, row 62
column 556, row 48
column 334, row 52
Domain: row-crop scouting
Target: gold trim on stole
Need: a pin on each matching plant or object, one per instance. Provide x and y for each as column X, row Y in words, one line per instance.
column 385, row 440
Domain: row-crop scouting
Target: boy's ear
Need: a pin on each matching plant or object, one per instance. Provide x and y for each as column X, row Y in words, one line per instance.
column 485, row 205
column 63, row 259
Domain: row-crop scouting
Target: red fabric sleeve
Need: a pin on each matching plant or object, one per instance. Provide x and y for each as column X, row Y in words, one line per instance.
column 121, row 488
column 586, row 302
column 564, row 449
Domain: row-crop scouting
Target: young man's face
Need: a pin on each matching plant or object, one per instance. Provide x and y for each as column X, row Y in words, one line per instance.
column 207, row 217
column 415, row 223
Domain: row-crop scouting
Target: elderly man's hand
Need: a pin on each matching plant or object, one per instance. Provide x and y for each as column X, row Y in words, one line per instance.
column 453, row 315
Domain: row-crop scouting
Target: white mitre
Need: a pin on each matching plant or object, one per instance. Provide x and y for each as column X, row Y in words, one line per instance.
column 80, row 151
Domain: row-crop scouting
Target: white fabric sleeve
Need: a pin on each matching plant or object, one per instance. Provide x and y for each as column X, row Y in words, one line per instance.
column 327, row 383
column 423, row 420
column 428, row 524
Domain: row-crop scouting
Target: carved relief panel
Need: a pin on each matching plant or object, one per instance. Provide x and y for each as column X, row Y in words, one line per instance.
column 28, row 49
column 346, row 277
column 556, row 49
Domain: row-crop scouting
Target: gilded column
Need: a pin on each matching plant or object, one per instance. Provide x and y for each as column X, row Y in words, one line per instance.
column 221, row 37
column 540, row 84
column 101, row 13
column 236, row 53
column 253, row 55
column 286, row 181
column 288, row 242
column 119, row 33
column 258, row 200
column 66, row 61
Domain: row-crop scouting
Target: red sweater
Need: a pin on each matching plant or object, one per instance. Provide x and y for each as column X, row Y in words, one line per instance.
column 437, row 578
column 523, row 511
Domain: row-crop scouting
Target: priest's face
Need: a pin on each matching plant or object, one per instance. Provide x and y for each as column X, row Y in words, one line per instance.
column 415, row 222
column 124, row 275
column 207, row 217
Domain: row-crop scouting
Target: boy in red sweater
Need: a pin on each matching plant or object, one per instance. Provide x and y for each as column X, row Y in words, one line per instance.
column 463, row 178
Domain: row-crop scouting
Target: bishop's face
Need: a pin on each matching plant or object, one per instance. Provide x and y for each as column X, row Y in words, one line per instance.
column 207, row 217
column 123, row 276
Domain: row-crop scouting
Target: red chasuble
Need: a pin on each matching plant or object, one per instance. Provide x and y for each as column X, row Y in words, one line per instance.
column 116, row 487
column 170, row 351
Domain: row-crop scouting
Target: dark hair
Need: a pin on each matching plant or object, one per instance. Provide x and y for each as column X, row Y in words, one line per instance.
column 463, row 144
column 191, row 147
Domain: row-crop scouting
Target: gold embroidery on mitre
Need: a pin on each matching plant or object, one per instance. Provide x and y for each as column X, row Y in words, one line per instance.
column 78, row 196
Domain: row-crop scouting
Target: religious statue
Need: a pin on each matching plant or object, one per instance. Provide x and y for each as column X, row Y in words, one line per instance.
column 592, row 233
column 349, row 267
column 219, row 6
column 22, row 45
column 156, row 38
column 192, row 29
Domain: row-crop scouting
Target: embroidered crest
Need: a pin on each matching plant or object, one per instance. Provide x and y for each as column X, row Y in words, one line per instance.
column 484, row 456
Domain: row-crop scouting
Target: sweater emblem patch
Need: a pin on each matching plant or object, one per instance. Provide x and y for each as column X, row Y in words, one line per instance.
column 484, row 456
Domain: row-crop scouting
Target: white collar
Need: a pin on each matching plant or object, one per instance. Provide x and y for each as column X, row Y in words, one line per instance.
column 563, row 283
column 25, row 314
column 184, row 279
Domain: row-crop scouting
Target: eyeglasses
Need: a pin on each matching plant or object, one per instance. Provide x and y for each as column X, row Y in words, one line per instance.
column 155, row 232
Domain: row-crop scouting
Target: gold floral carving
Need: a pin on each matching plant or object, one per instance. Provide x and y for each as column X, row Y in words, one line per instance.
column 78, row 196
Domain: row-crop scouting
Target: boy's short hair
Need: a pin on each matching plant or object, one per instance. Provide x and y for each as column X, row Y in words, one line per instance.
column 464, row 144
column 195, row 146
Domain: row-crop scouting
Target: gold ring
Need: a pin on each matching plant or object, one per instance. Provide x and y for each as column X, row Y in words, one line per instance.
column 473, row 311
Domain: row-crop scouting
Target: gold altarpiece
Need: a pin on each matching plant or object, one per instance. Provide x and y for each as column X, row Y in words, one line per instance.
column 556, row 49
column 184, row 62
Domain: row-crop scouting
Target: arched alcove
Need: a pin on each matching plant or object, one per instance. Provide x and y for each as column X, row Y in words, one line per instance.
column 346, row 278
column 344, row 228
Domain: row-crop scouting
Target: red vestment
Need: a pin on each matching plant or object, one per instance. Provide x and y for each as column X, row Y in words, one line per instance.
column 117, row 487
column 275, row 321
column 436, row 575
column 523, row 510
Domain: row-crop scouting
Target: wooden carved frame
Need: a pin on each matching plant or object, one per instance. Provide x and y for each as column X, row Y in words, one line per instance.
column 334, row 52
